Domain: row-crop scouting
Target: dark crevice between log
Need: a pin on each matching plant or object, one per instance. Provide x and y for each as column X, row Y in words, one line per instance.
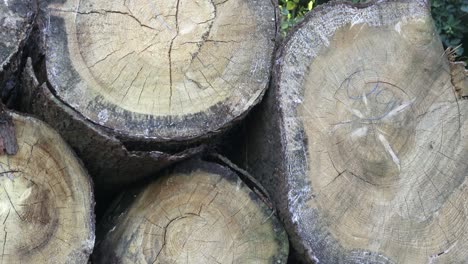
column 169, row 148
column 246, row 177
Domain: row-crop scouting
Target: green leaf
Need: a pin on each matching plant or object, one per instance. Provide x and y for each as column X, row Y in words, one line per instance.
column 290, row 5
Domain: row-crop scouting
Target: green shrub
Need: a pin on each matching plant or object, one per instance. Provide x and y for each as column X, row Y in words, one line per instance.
column 292, row 12
column 451, row 20
column 450, row 17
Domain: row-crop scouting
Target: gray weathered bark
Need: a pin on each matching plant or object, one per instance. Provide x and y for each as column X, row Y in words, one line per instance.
column 16, row 19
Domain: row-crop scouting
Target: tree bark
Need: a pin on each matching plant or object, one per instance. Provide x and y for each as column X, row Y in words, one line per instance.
column 15, row 24
column 185, row 72
column 362, row 139
column 200, row 212
column 46, row 197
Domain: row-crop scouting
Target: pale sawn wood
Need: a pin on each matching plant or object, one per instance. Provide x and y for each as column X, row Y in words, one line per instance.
column 46, row 199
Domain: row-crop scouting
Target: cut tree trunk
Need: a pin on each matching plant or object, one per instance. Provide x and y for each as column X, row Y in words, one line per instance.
column 201, row 212
column 15, row 24
column 46, row 200
column 163, row 71
column 152, row 76
column 362, row 140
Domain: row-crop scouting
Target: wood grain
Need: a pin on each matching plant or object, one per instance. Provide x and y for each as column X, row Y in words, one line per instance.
column 46, row 199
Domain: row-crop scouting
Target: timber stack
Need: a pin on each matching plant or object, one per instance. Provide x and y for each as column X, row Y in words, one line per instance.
column 355, row 155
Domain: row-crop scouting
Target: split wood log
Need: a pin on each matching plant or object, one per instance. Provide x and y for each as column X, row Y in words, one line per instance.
column 16, row 17
column 46, row 200
column 152, row 76
column 362, row 140
column 201, row 212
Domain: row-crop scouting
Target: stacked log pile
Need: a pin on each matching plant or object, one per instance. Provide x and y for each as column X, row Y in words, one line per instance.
column 354, row 156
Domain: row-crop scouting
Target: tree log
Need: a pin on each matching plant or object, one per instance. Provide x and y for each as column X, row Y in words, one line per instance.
column 362, row 140
column 201, row 212
column 162, row 71
column 46, row 206
column 15, row 23
column 151, row 80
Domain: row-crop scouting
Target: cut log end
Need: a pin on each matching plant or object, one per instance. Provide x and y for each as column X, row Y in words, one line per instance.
column 374, row 137
column 201, row 213
column 46, row 207
column 182, row 66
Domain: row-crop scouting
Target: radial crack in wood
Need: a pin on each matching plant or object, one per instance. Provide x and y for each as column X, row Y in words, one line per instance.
column 46, row 201
column 367, row 136
column 166, row 70
column 199, row 213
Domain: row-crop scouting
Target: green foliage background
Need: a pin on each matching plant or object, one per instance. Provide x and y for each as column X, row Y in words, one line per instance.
column 450, row 18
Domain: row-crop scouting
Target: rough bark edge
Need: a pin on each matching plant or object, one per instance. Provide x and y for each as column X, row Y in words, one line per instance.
column 83, row 254
column 24, row 36
column 10, row 69
column 8, row 142
column 458, row 77
column 267, row 132
column 157, row 141
column 125, row 200
column 91, row 144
